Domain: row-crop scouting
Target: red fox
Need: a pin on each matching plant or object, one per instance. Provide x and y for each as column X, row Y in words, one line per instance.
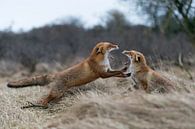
column 144, row 76
column 95, row 66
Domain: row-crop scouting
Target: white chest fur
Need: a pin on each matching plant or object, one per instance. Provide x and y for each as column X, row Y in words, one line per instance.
column 105, row 63
column 131, row 68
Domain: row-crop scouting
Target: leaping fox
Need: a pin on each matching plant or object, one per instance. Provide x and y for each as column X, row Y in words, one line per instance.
column 95, row 66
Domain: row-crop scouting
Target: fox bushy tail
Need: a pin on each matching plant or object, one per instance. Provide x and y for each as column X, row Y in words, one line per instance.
column 31, row 81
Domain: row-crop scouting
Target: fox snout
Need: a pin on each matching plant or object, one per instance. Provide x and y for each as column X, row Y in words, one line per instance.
column 125, row 52
column 128, row 74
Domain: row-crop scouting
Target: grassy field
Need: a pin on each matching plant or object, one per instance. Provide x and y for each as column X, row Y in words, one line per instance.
column 103, row 104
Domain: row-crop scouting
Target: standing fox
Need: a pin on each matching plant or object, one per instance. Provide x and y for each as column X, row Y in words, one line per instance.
column 144, row 76
column 95, row 66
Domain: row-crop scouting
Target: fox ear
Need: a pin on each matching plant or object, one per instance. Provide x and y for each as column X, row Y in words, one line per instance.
column 99, row 50
column 137, row 58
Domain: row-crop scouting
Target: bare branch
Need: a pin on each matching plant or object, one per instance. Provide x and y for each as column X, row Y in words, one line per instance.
column 189, row 7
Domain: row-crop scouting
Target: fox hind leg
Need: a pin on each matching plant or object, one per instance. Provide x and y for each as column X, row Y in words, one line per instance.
column 56, row 92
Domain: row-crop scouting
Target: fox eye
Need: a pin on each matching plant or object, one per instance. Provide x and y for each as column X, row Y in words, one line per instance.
column 98, row 50
column 137, row 58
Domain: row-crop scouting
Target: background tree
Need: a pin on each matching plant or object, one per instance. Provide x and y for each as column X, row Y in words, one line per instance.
column 164, row 14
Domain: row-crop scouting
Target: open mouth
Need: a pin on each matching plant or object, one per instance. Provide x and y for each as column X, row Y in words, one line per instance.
column 125, row 52
column 118, row 61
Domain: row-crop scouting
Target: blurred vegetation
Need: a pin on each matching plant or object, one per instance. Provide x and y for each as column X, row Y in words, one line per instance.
column 67, row 40
column 169, row 16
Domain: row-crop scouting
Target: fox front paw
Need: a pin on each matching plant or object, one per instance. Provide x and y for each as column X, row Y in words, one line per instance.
column 32, row 104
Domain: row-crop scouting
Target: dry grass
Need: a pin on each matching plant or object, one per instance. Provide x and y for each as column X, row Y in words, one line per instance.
column 103, row 104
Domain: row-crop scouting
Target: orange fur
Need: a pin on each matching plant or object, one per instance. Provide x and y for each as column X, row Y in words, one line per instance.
column 94, row 67
column 144, row 76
